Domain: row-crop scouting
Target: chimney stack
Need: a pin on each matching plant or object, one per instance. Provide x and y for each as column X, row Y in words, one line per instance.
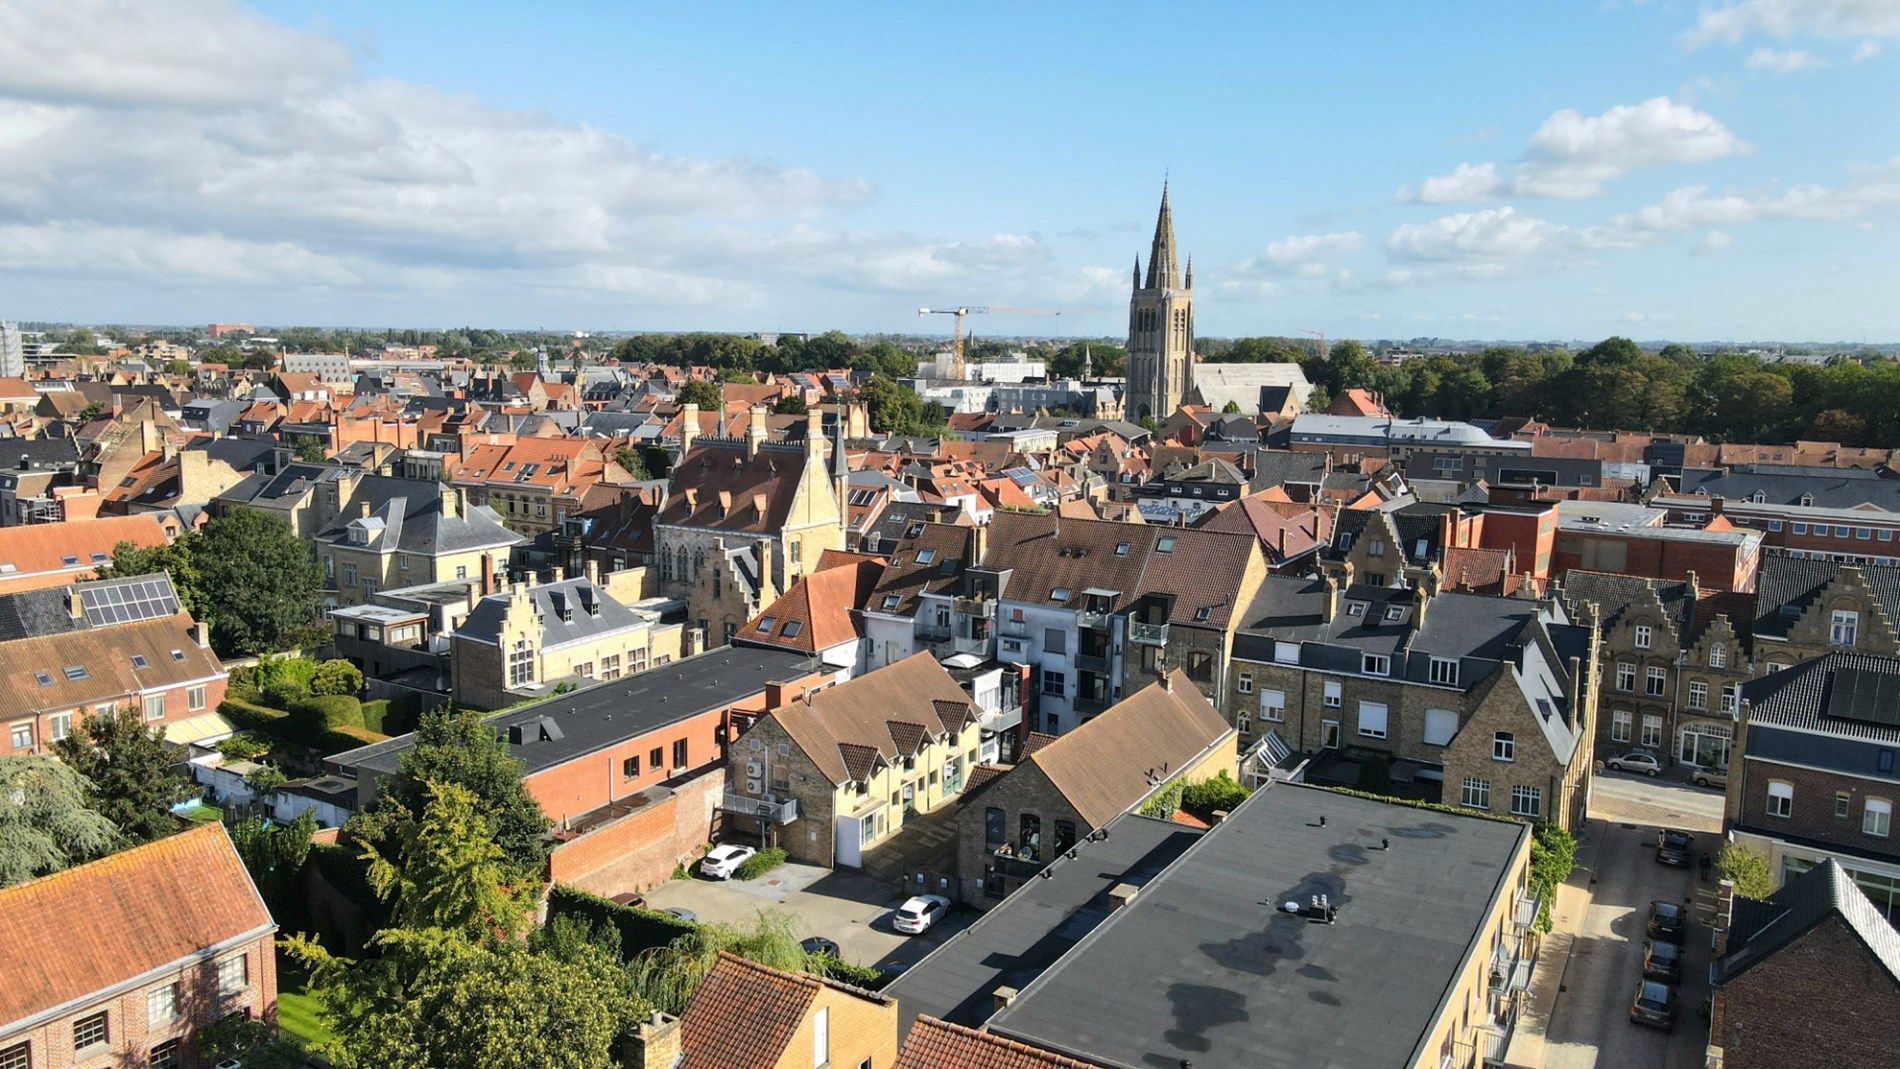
column 591, row 569
column 1120, row 895
column 201, row 634
column 654, row 1043
column 689, row 428
column 1420, row 598
column 1332, row 598
column 755, row 430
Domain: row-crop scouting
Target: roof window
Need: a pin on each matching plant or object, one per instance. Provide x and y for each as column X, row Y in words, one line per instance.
column 766, row 624
column 1059, row 595
column 77, row 672
column 1164, row 544
column 791, row 628
column 1121, row 549
column 890, row 601
column 138, row 660
column 44, row 679
column 1356, row 608
column 925, row 556
column 1203, row 613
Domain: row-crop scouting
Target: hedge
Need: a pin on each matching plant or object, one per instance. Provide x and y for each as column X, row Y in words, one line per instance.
column 248, row 714
column 862, row 976
column 376, row 715
column 306, row 729
column 327, row 713
column 760, row 863
column 640, row 930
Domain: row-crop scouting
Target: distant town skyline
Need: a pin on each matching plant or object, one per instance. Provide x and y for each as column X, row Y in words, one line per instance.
column 1660, row 170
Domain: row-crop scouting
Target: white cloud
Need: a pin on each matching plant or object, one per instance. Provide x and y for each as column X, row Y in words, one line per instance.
column 1304, row 253
column 1781, row 62
column 1713, row 242
column 1493, row 235
column 1866, row 50
column 1467, row 182
column 1571, row 155
column 1790, row 18
column 1693, row 207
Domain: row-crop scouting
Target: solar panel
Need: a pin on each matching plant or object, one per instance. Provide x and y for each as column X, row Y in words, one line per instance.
column 1869, row 697
column 127, row 600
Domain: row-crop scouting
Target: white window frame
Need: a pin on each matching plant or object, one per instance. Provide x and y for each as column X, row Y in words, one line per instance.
column 1527, row 801
column 234, row 974
column 161, row 1006
column 1843, row 627
column 1780, row 803
column 1643, row 636
column 1625, row 677
column 1655, row 682
column 1244, row 683
column 1652, row 731
column 1273, row 705
column 1475, row 793
column 1375, row 664
column 1331, row 694
column 1876, row 818
column 1377, row 711
column 1698, row 695
column 1718, row 655
column 1622, row 725
column 1503, row 746
column 1444, row 671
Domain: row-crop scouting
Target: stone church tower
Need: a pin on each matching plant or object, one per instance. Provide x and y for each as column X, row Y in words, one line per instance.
column 1160, row 327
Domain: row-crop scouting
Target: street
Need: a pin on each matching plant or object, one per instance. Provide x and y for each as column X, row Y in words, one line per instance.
column 1590, row 1023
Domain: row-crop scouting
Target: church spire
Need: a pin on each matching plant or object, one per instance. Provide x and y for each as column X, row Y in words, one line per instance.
column 1188, row 283
column 1137, row 270
column 1163, row 268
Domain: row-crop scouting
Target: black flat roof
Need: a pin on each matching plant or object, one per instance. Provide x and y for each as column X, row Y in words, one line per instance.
column 1204, row 965
column 599, row 716
column 1039, row 922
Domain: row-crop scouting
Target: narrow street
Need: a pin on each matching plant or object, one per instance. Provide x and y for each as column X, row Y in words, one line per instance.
column 1590, row 1025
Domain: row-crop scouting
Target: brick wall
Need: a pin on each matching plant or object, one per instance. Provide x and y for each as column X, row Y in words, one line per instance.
column 1813, row 811
column 639, row 851
column 588, row 782
column 1822, row 1000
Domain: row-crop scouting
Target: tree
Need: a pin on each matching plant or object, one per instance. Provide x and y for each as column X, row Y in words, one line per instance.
column 274, row 855
column 174, row 559
column 666, row 978
column 336, row 676
column 1259, row 351
column 792, row 404
column 128, row 770
column 310, row 449
column 891, row 408
column 456, row 747
column 445, row 870
column 246, row 574
column 1348, row 366
column 632, row 459
column 1231, row 408
column 1752, row 875
column 702, row 393
column 48, row 822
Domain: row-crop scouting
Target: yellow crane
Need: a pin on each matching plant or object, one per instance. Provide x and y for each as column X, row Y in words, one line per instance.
column 979, row 309
column 1321, row 335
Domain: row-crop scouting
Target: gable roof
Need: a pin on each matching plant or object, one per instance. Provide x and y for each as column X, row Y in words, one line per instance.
column 143, row 909
column 718, row 486
column 1760, row 929
column 934, row 1044
column 884, row 713
column 47, row 554
column 823, row 604
column 743, row 1015
column 1111, row 762
column 1787, row 585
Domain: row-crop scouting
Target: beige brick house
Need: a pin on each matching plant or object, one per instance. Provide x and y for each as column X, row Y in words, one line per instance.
column 1808, row 606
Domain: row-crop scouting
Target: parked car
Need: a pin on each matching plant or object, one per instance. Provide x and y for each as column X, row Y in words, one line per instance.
column 1635, row 761
column 1672, row 847
column 818, row 944
column 920, row 913
column 1710, row 777
column 682, row 913
column 1667, row 921
column 1654, row 1005
column 722, row 861
column 1662, row 961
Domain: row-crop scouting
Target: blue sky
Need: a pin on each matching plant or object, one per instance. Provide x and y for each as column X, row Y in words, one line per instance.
column 1725, row 170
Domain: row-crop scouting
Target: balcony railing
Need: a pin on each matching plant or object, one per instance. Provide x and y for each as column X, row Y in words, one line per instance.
column 983, row 608
column 1092, row 662
column 930, row 632
column 1147, row 634
column 1007, row 862
column 979, row 647
column 769, row 810
column 1086, row 618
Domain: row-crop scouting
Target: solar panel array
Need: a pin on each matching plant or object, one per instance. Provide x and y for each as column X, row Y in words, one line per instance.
column 125, row 601
column 1869, row 697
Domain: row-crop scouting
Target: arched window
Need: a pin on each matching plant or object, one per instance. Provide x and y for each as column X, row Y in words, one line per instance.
column 1029, row 836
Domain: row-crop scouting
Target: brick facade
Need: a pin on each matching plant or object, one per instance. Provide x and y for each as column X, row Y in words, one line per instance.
column 639, row 851
column 1821, row 1000
column 1812, row 813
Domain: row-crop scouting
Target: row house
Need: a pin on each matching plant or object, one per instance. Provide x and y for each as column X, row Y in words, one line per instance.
column 1675, row 658
column 43, row 555
column 1630, row 539
column 535, row 483
column 1486, row 700
column 1807, row 606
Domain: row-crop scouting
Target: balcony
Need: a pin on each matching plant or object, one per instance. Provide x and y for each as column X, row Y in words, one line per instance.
column 981, row 608
column 1090, row 706
column 1093, row 662
column 979, row 647
column 767, row 810
column 1006, row 862
column 1094, row 620
column 930, row 632
column 1147, row 634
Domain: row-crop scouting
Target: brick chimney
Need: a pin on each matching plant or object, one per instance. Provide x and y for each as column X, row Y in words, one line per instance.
column 201, row 634
column 451, row 503
column 1421, row 597
column 654, row 1043
column 1332, row 598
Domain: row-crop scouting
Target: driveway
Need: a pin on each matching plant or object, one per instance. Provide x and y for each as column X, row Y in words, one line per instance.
column 1589, row 1025
column 845, row 906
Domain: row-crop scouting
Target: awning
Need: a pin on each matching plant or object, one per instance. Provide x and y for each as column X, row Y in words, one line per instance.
column 200, row 730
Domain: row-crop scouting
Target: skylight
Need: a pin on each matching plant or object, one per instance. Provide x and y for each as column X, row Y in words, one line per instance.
column 76, row 672
column 791, row 628
column 925, row 556
column 1164, row 544
column 138, row 660
column 765, row 624
column 1059, row 594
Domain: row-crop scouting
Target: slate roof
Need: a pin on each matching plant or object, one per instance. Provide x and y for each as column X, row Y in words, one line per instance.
column 143, row 909
column 716, row 486
column 1206, row 966
column 1046, row 553
column 888, row 711
column 1763, row 928
column 573, row 610
column 1828, row 488
column 949, row 548
column 1799, row 697
column 1787, row 585
column 412, row 513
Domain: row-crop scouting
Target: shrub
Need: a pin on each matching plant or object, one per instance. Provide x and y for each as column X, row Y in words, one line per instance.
column 289, row 670
column 1166, row 801
column 844, row 972
column 249, row 714
column 317, row 715
column 336, row 677
column 284, row 693
column 640, row 930
column 1750, row 871
column 760, row 863
column 1553, row 855
column 246, row 746
column 266, row 779
column 1219, row 794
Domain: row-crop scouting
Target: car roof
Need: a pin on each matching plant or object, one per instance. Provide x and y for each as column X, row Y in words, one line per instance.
column 1666, row 907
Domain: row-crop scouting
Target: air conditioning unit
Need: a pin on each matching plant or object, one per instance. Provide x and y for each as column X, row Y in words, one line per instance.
column 752, row 786
column 754, row 769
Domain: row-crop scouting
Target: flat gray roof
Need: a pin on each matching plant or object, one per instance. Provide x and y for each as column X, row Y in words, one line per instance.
column 1204, row 965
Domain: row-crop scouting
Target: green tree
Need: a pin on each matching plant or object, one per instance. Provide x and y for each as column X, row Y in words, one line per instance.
column 891, row 408
column 792, row 404
column 128, row 770
column 457, row 747
column 1102, row 359
column 336, row 676
column 310, row 449
column 1753, row 876
column 634, row 461
column 446, row 871
column 1259, row 351
column 274, row 855
column 174, row 559
column 47, row 821
column 1348, row 366
column 700, row 392
column 246, row 574
column 1231, row 408
column 666, row 978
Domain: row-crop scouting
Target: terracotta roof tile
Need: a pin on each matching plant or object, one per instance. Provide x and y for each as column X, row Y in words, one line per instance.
column 823, row 605
column 107, row 656
column 935, row 1044
column 743, row 1015
column 1104, row 766
column 860, row 712
column 107, row 921
column 66, row 550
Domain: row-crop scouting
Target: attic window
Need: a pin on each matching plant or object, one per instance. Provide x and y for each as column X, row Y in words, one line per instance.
column 69, row 560
column 76, row 672
column 791, row 628
column 1202, row 613
column 138, row 660
column 925, row 556
column 44, row 679
column 100, row 558
column 916, row 531
column 178, row 655
column 1357, row 608
column 1165, row 544
column 1394, row 613
column 890, row 601
column 1121, row 549
column 765, row 624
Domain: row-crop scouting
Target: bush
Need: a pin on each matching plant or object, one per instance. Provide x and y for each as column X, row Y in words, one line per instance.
column 1553, row 855
column 1166, row 801
column 320, row 715
column 247, row 746
column 640, row 930
column 284, row 693
column 255, row 717
column 1749, row 870
column 336, row 677
column 760, row 863
column 266, row 779
column 1209, row 796
column 844, row 972
column 290, row 670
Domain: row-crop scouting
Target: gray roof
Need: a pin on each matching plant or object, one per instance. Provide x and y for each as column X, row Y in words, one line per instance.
column 412, row 516
column 570, row 611
column 1760, row 929
column 1781, row 484
column 1375, row 430
column 1204, row 965
column 603, row 715
column 1804, row 697
column 1039, row 922
column 1787, row 585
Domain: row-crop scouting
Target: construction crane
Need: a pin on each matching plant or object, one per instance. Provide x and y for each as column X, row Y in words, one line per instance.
column 1321, row 335
column 982, row 309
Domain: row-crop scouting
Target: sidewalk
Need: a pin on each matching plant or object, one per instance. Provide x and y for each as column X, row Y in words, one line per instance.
column 1566, row 915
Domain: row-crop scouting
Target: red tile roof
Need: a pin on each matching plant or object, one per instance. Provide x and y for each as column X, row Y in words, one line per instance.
column 935, row 1044
column 745, row 1014
column 78, row 932
column 39, row 553
column 823, row 604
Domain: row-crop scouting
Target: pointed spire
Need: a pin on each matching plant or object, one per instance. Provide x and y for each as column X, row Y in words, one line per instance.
column 840, row 463
column 1137, row 270
column 1088, row 365
column 1163, row 268
column 1188, row 282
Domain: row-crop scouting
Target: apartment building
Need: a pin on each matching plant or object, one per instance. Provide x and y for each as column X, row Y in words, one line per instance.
column 520, row 642
column 404, row 532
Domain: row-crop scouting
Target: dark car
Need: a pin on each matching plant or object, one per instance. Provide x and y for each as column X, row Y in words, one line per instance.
column 818, row 944
column 1672, row 847
column 1654, row 1005
column 1667, row 922
column 1662, row 961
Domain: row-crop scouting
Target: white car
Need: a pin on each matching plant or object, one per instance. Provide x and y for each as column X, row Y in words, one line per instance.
column 723, row 861
column 919, row 913
column 1635, row 761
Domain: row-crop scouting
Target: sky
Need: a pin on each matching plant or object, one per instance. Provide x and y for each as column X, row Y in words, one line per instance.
column 1714, row 171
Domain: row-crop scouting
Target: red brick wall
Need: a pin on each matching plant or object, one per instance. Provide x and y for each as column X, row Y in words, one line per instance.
column 1822, row 1000
column 1717, row 567
column 639, row 851
column 587, row 783
column 176, row 702
column 1813, row 815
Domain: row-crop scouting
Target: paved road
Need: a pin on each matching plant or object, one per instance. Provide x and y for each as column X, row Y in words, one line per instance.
column 1590, row 1026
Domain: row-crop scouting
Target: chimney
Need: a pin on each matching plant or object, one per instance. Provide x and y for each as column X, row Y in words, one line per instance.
column 591, row 569
column 362, row 508
column 1002, row 997
column 1332, row 598
column 755, row 430
column 689, row 428
column 201, row 634
column 1724, row 915
column 1694, row 589
column 560, row 574
column 654, row 1043
column 1167, row 681
column 815, row 434
column 451, row 502
column 1420, row 598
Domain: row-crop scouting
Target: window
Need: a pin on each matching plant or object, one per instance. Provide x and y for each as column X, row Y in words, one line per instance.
column 1121, row 549
column 1164, row 544
column 679, row 753
column 89, row 1031
column 60, row 725
column 821, row 1037
column 23, row 735
column 16, row 1057
column 1440, row 726
column 1055, row 684
column 164, row 1056
column 1445, row 671
column 1331, row 699
column 1718, row 655
column 1884, row 761
column 1625, row 677
column 1652, row 730
column 610, row 666
column 1698, row 694
column 1395, row 614
column 926, row 556
column 76, row 672
column 630, row 767
column 1200, row 666
column 766, row 624
column 1527, row 801
column 1863, row 533
column 1843, row 805
column 1273, row 705
column 1653, row 683
column 1055, row 640
column 1800, row 528
column 138, row 661
column 1475, row 793
column 1375, row 547
column 1877, row 817
column 195, row 699
column 1642, row 636
column 1245, row 684
column 1780, row 799
column 1620, row 722
column 1286, row 652
column 1029, row 835
column 1845, row 625
column 1504, row 746
column 656, row 758
column 161, row 1005
column 994, row 826
column 1356, row 608
column 1060, row 595
column 1731, row 698
column 1374, row 664
column 1372, row 718
column 233, row 975
column 791, row 628
column 520, row 664
column 1243, row 725
column 155, row 707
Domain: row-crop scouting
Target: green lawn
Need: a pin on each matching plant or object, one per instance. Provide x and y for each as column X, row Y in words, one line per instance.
column 202, row 814
column 297, row 1014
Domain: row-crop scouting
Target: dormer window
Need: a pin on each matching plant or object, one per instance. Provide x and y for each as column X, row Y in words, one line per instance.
column 890, row 601
column 1807, row 500
column 1394, row 614
column 1356, row 608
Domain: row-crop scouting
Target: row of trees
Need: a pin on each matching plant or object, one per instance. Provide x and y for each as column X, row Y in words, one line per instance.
column 738, row 352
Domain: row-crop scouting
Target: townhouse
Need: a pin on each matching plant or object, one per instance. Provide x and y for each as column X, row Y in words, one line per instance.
column 1807, row 606
column 534, row 483
column 521, row 641
column 747, row 1014
column 404, row 532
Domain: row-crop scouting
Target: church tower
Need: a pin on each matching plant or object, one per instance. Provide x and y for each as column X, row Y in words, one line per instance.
column 1160, row 327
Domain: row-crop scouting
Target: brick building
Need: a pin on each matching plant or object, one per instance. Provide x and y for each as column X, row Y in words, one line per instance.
column 1628, row 539
column 750, row 1016
column 1807, row 607
column 521, row 642
column 119, row 961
